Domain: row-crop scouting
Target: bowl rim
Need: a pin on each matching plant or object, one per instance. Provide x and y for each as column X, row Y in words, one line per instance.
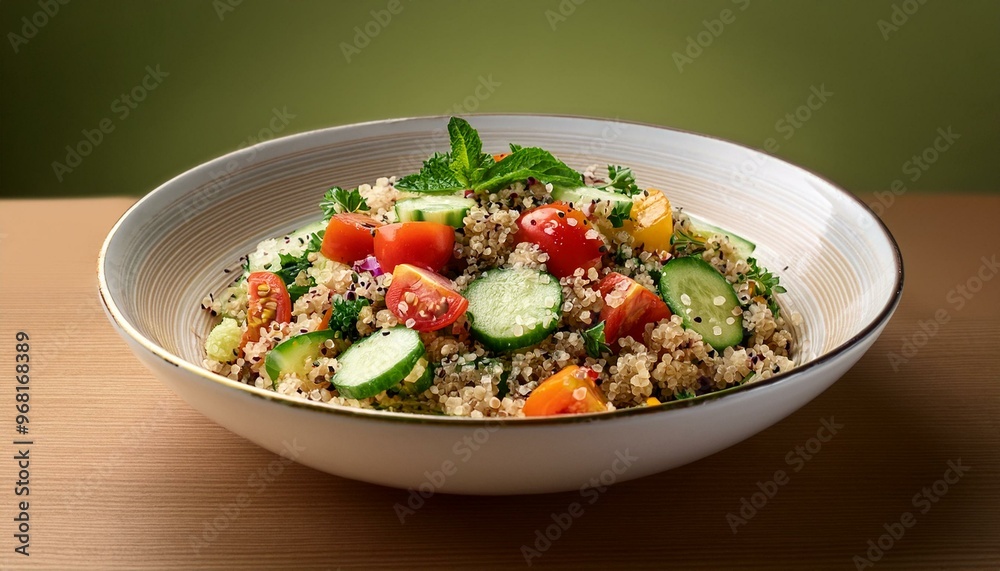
column 122, row 324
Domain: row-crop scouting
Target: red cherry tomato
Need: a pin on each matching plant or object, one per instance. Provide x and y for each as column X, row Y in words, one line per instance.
column 429, row 299
column 561, row 232
column 426, row 245
column 570, row 391
column 640, row 306
column 267, row 302
column 349, row 237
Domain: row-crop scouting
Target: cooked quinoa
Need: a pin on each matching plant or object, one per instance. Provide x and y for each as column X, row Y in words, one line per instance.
column 649, row 361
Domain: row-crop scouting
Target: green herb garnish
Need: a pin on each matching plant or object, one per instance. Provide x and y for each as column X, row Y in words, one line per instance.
column 292, row 266
column 622, row 181
column 594, row 341
column 766, row 284
column 337, row 201
column 684, row 394
column 344, row 317
column 466, row 166
column 620, row 212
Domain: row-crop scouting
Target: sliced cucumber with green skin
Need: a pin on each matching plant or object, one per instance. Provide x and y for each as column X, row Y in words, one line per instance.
column 418, row 380
column 513, row 308
column 703, row 298
column 584, row 195
column 450, row 210
column 377, row 362
column 296, row 354
column 704, row 230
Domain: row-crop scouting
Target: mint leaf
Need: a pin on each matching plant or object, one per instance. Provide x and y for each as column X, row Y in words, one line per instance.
column 525, row 163
column 594, row 341
column 337, row 200
column 435, row 176
column 468, row 162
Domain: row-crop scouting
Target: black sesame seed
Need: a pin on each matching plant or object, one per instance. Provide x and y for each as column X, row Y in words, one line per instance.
column 697, row 320
column 227, row 270
column 562, row 215
column 385, row 333
column 533, row 222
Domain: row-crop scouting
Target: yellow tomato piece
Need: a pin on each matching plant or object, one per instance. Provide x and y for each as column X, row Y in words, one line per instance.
column 652, row 401
column 570, row 391
column 652, row 222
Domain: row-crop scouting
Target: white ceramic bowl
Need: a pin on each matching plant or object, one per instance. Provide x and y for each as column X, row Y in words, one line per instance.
column 844, row 276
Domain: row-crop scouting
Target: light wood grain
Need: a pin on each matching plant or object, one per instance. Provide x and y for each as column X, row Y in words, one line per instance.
column 125, row 475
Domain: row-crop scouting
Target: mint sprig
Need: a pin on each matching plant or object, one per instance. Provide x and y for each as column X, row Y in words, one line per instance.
column 467, row 167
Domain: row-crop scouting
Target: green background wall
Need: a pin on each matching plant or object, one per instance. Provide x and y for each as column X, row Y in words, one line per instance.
column 230, row 64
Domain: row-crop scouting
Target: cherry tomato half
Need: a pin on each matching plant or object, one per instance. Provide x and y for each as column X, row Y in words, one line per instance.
column 629, row 318
column 561, row 232
column 429, row 299
column 268, row 302
column 349, row 237
column 426, row 245
column 570, row 391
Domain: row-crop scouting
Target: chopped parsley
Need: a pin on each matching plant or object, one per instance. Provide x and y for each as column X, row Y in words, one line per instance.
column 684, row 394
column 337, row 201
column 594, row 341
column 622, row 181
column 344, row 317
column 765, row 284
column 620, row 212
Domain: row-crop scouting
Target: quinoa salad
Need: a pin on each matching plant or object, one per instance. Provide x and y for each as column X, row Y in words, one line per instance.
column 500, row 285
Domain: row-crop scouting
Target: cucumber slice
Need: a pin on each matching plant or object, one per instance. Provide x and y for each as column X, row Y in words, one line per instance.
column 581, row 196
column 418, row 380
column 377, row 362
column 513, row 308
column 450, row 210
column 704, row 299
column 704, row 230
column 296, row 354
column 267, row 255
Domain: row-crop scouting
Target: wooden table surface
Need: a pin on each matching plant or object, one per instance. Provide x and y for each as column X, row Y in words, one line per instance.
column 124, row 475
